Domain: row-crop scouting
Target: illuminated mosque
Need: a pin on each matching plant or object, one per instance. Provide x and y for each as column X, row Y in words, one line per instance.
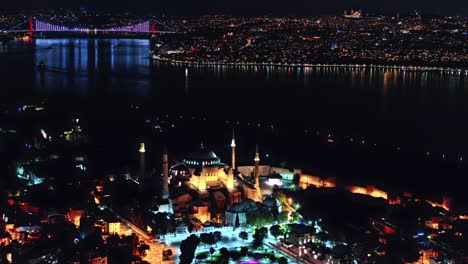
column 204, row 189
column 204, row 171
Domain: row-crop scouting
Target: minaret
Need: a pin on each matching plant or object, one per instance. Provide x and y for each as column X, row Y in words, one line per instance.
column 165, row 190
column 256, row 170
column 233, row 151
column 230, row 179
column 257, row 176
column 142, row 161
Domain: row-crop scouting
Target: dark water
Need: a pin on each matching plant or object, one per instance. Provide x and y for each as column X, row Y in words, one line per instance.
column 418, row 112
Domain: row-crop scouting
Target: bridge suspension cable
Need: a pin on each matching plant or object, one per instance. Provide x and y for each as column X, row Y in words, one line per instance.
column 42, row 26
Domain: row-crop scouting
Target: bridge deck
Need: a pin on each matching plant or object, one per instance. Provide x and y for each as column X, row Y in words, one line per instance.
column 40, row 26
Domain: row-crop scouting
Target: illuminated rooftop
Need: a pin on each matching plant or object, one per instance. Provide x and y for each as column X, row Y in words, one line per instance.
column 202, row 158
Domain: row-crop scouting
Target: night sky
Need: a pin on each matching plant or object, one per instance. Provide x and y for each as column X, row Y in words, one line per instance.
column 255, row 7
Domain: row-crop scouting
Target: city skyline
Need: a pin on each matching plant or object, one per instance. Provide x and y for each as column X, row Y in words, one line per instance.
column 259, row 7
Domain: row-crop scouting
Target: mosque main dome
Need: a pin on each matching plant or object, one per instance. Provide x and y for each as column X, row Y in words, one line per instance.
column 202, row 158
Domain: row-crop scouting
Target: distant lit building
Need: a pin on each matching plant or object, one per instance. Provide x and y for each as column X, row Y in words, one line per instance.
column 98, row 260
column 181, row 228
column 353, row 14
column 74, row 216
column 369, row 190
column 114, row 227
column 307, row 180
column 300, row 234
column 25, row 173
column 76, row 133
column 275, row 179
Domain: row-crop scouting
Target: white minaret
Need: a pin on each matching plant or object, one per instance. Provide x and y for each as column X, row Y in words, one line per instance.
column 257, row 175
column 233, row 151
column 165, row 190
column 142, row 161
column 257, row 170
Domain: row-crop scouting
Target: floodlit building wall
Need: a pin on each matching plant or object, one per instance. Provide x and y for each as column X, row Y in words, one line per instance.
column 369, row 190
column 307, row 180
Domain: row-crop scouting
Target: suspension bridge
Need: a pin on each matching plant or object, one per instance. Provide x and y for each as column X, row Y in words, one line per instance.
column 32, row 26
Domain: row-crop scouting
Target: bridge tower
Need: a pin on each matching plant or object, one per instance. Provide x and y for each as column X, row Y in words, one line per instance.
column 153, row 29
column 31, row 27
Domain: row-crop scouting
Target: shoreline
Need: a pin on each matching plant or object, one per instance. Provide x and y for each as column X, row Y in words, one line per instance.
column 422, row 69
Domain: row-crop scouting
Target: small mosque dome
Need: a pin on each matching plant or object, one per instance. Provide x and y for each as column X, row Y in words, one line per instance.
column 272, row 204
column 249, row 204
column 237, row 208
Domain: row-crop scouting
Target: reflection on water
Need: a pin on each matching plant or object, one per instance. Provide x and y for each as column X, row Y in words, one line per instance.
column 336, row 80
column 77, row 65
column 108, row 67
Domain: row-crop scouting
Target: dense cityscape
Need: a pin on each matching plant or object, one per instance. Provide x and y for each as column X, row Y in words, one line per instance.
column 411, row 40
column 210, row 180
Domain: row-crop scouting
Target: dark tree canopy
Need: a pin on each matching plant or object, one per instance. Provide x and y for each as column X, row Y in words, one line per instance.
column 276, row 231
column 187, row 249
column 244, row 235
column 259, row 235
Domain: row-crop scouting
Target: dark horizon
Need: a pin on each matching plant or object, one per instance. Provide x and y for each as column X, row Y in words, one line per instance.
column 249, row 8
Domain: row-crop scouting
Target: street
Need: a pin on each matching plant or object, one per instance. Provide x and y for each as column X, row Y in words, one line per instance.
column 154, row 254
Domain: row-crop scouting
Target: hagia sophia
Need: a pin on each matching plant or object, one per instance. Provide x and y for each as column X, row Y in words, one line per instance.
column 207, row 190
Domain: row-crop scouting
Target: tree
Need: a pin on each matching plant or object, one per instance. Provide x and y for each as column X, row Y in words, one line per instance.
column 323, row 237
column 116, row 255
column 208, row 238
column 167, row 253
column 202, row 256
column 218, row 236
column 224, row 253
column 276, row 231
column 113, row 239
column 340, row 251
column 283, row 217
column 259, row 219
column 244, row 235
column 272, row 258
column 259, row 235
column 296, row 179
column 295, row 217
column 93, row 240
column 244, row 251
column 282, row 260
column 142, row 249
column 286, row 229
column 406, row 249
column 187, row 249
column 162, row 224
column 282, row 198
column 212, row 251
